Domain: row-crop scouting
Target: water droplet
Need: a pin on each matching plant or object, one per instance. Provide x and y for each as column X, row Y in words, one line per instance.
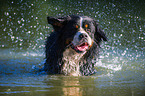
column 21, row 39
column 6, row 13
column 20, row 44
column 22, row 19
column 10, row 29
column 19, row 22
column 12, row 37
column 3, row 45
column 4, row 29
column 29, row 31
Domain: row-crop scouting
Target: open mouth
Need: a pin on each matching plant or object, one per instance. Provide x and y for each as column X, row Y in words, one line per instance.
column 82, row 47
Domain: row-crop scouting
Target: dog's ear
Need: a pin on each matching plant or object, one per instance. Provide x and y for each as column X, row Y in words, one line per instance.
column 57, row 23
column 99, row 34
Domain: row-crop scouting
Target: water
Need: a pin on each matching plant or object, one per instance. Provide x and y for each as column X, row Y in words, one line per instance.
column 120, row 68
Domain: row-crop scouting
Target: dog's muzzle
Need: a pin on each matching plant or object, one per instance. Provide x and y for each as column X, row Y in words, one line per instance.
column 81, row 42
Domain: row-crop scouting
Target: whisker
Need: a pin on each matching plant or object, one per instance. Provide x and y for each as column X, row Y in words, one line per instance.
column 95, row 42
column 68, row 45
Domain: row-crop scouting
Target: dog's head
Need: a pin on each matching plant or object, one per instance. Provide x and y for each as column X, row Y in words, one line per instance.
column 80, row 32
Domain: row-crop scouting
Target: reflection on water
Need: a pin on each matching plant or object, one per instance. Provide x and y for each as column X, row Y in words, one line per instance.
column 72, row 87
column 120, row 68
column 67, row 86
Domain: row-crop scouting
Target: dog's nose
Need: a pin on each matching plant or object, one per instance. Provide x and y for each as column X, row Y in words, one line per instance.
column 83, row 35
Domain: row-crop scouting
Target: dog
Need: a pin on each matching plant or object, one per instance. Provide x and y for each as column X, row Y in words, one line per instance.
column 73, row 45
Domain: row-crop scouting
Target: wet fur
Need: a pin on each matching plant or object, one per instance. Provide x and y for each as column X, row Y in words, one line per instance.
column 61, row 58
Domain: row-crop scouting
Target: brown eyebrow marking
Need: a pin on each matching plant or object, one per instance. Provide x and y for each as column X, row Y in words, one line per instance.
column 86, row 25
column 77, row 26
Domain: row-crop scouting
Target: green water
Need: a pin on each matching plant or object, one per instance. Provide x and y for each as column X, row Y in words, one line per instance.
column 24, row 28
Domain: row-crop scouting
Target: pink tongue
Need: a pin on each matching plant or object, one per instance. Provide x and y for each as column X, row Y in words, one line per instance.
column 82, row 47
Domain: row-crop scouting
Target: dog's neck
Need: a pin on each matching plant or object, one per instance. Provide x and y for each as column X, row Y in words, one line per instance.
column 71, row 62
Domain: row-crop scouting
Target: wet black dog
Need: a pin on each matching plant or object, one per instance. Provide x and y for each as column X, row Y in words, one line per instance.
column 72, row 46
